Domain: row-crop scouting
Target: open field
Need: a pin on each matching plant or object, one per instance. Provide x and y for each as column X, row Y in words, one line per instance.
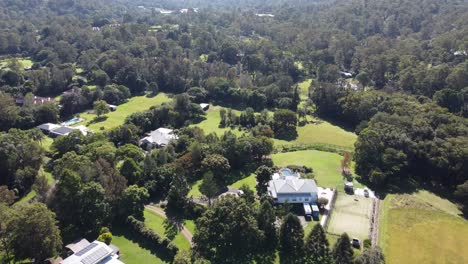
column 304, row 88
column 158, row 224
column 352, row 215
column 249, row 181
column 25, row 62
column 322, row 133
column 132, row 253
column 116, row 118
column 326, row 165
column 422, row 228
column 211, row 123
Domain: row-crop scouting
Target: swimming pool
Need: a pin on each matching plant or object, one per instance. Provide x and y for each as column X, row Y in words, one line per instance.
column 72, row 121
column 286, row 172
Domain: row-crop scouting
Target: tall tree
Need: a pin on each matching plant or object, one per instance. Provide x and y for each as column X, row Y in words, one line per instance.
column 266, row 220
column 133, row 202
column 209, row 187
column 35, row 233
column 342, row 251
column 101, row 108
column 263, row 176
column 233, row 241
column 177, row 196
column 291, row 240
column 317, row 247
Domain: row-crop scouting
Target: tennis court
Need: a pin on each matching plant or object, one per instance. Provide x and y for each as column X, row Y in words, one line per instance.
column 351, row 214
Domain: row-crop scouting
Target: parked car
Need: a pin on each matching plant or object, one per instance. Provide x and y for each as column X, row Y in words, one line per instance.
column 356, row 243
column 366, row 193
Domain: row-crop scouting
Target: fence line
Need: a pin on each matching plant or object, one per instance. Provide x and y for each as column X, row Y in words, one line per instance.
column 332, row 206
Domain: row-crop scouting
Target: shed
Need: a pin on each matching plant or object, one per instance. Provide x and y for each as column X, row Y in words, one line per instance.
column 112, row 107
column 205, row 106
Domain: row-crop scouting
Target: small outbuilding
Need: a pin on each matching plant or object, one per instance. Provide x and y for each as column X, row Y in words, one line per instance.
column 112, row 107
column 205, row 107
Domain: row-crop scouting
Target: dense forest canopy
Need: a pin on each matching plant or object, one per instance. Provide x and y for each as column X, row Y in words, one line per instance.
column 394, row 72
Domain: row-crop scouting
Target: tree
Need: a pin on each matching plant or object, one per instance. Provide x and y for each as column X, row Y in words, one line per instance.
column 7, row 196
column 35, row 233
column 6, row 235
column 131, row 171
column 154, row 88
column 92, row 210
column 105, row 236
column 209, row 187
column 322, row 202
column 263, row 176
column 235, row 240
column 346, row 163
column 218, row 165
column 177, row 196
column 342, row 251
column 247, row 194
column 101, row 108
column 284, row 123
column 462, row 195
column 370, row 256
column 317, row 247
column 291, row 240
column 41, row 186
column 133, row 202
column 266, row 220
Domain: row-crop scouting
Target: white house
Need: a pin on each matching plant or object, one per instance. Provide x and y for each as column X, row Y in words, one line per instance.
column 159, row 137
column 287, row 186
column 94, row 253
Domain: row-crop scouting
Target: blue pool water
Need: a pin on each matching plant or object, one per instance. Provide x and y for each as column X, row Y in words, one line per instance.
column 286, row 172
column 73, row 121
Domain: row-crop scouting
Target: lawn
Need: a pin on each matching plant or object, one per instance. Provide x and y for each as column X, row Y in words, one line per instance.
column 47, row 142
column 351, row 214
column 25, row 62
column 304, row 88
column 116, row 118
column 322, row 133
column 195, row 189
column 32, row 193
column 132, row 253
column 249, row 181
column 211, row 123
column 326, row 165
column 422, row 228
column 158, row 225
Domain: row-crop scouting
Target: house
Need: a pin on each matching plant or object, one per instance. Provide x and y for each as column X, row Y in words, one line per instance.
column 61, row 131
column 36, row 100
column 205, row 106
column 48, row 127
column 159, row 137
column 287, row 186
column 93, row 253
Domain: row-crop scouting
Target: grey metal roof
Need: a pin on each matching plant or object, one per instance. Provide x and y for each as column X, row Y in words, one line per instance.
column 292, row 185
column 63, row 130
column 160, row 136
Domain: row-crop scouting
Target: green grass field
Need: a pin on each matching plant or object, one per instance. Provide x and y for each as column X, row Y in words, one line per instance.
column 211, row 123
column 249, row 181
column 132, row 253
column 304, row 88
column 158, row 225
column 194, row 189
column 352, row 215
column 322, row 133
column 25, row 62
column 422, row 228
column 326, row 165
column 47, row 142
column 116, row 118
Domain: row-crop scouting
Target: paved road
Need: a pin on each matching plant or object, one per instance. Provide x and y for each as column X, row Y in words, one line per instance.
column 185, row 232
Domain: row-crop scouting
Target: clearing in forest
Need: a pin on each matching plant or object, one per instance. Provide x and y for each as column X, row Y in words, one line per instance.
column 116, row 118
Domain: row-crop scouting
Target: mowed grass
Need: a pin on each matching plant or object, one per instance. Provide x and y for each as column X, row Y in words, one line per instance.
column 158, row 225
column 116, row 118
column 213, row 118
column 322, row 133
column 352, row 215
column 25, row 62
column 326, row 165
column 195, row 189
column 132, row 253
column 414, row 229
column 250, row 181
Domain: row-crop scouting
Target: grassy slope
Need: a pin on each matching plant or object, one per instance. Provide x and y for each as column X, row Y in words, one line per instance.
column 422, row 228
column 195, row 189
column 156, row 223
column 324, row 133
column 116, row 118
column 326, row 165
column 211, row 123
column 132, row 253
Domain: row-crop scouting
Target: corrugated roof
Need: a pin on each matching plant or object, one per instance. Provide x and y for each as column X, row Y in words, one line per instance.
column 293, row 185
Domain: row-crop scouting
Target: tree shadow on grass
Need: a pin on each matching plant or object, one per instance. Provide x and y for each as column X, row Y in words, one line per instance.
column 98, row 120
column 134, row 237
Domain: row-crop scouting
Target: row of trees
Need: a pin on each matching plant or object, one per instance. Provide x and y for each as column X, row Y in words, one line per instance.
column 249, row 233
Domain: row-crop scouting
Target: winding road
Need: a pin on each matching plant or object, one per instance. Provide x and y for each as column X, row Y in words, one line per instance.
column 185, row 232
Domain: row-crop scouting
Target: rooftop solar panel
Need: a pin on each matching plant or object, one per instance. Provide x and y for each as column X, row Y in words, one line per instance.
column 94, row 257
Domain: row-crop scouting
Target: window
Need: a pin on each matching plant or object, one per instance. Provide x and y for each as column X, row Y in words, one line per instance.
column 306, row 199
column 294, row 199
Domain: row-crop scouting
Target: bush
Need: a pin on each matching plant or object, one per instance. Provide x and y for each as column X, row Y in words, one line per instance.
column 152, row 238
column 367, row 243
